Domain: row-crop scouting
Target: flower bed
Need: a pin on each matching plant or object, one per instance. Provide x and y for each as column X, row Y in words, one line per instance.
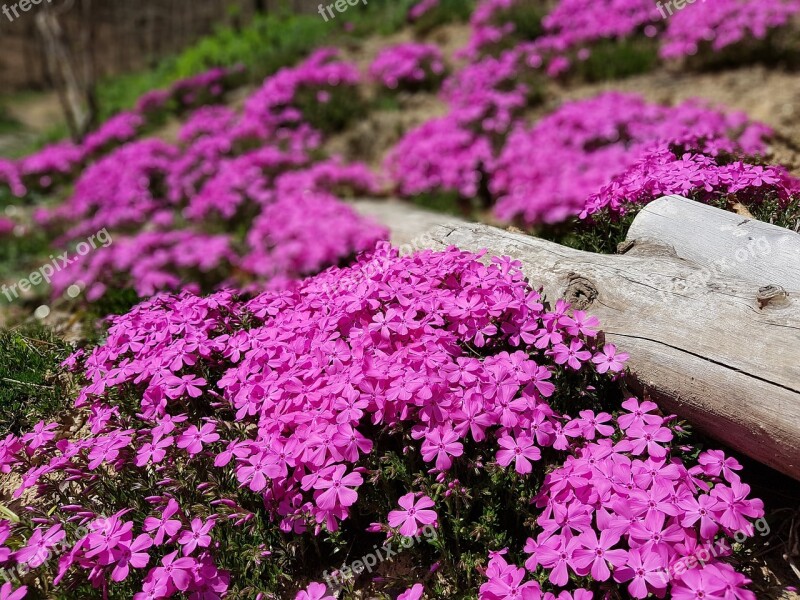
column 409, row 67
column 226, row 439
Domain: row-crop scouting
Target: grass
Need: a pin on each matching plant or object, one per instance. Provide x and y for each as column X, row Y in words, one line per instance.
column 31, row 388
column 618, row 59
column 8, row 123
column 266, row 44
column 19, row 253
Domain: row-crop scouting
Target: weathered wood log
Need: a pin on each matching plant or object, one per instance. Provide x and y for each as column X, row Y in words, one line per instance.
column 726, row 244
column 722, row 352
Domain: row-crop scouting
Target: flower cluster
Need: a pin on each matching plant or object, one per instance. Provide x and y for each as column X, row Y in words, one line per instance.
column 208, row 87
column 204, row 88
column 58, row 163
column 305, row 92
column 440, row 155
column 695, row 175
column 491, row 25
column 117, row 130
column 573, row 27
column 489, row 94
column 622, row 508
column 272, row 409
column 589, row 142
column 42, row 170
column 410, row 67
column 252, row 171
column 450, row 153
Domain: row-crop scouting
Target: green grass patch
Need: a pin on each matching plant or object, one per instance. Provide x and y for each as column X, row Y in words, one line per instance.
column 31, row 386
column 618, row 59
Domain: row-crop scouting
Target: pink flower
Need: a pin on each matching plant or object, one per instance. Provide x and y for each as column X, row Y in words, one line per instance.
column 178, row 571
column 520, row 450
column 414, row 516
column 415, row 592
column 41, row 434
column 698, row 583
column 609, row 359
column 37, row 549
column 572, row 355
column 315, row 591
column 645, row 571
column 7, row 592
column 441, row 444
column 197, row 537
column 557, row 554
column 165, row 527
column 337, row 487
column 595, row 555
column 650, row 438
column 134, row 555
column 193, row 438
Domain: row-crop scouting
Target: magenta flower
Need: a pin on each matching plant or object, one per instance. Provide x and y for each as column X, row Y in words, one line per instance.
column 164, row 526
column 315, row 591
column 337, row 487
column 698, row 583
column 592, row 424
column 187, row 384
column 441, row 444
column 520, row 450
column 414, row 516
column 37, row 549
column 193, row 438
column 174, row 570
column 650, row 438
column 715, row 463
column 639, row 414
column 154, row 451
column 572, row 355
column 197, row 537
column 415, row 592
column 133, row 555
column 7, row 592
column 557, row 554
column 701, row 508
column 645, row 571
column 41, row 434
column 609, row 359
column 595, row 555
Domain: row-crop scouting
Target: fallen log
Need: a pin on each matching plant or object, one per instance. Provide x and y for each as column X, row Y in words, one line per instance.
column 720, row 351
column 724, row 243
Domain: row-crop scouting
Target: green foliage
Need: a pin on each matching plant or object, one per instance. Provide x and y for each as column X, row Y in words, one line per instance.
column 121, row 92
column 451, row 203
column 617, row 59
column 604, row 232
column 31, row 388
column 527, row 18
column 116, row 301
column 342, row 105
column 780, row 214
column 55, row 132
column 8, row 123
column 264, row 46
column 19, row 253
column 448, row 11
